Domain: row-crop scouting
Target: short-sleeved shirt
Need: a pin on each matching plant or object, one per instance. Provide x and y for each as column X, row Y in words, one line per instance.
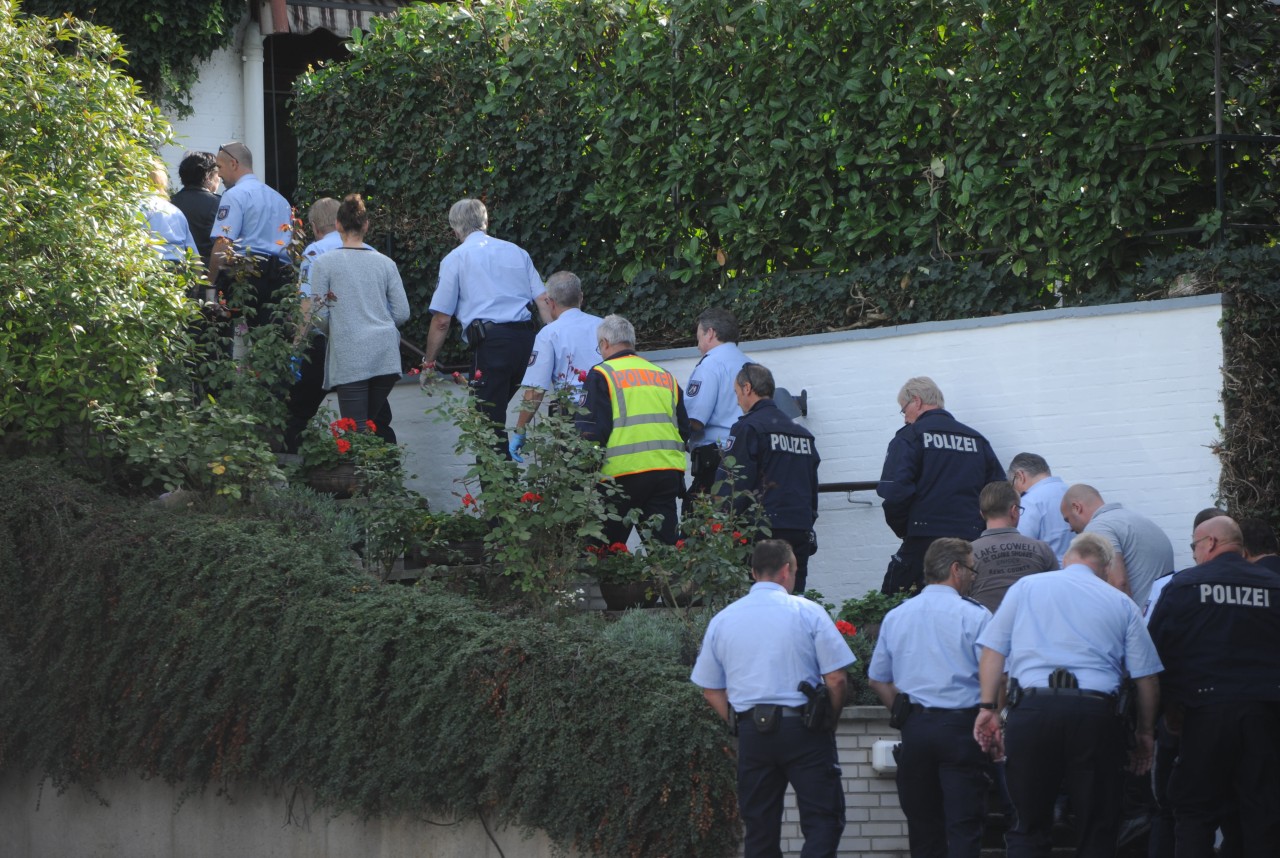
column 1070, row 619
column 1002, row 555
column 167, row 222
column 317, row 248
column 710, row 397
column 760, row 648
column 255, row 218
column 928, row 648
column 563, row 352
column 1042, row 515
column 1146, row 549
column 486, row 278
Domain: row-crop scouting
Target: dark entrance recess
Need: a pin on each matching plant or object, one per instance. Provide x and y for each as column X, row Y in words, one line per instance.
column 285, row 56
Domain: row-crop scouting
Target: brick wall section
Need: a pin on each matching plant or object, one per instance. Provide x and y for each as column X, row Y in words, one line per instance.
column 218, row 96
column 1123, row 397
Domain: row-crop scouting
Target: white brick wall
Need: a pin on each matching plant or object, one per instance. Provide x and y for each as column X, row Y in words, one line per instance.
column 218, row 100
column 1124, row 397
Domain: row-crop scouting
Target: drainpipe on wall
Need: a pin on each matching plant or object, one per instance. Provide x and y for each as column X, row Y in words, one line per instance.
column 255, row 134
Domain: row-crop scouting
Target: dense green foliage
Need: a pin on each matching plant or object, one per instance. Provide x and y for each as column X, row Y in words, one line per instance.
column 165, row 41
column 89, row 310
column 840, row 167
column 211, row 649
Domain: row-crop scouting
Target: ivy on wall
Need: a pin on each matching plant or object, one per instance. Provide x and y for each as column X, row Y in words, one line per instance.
column 675, row 153
column 165, row 41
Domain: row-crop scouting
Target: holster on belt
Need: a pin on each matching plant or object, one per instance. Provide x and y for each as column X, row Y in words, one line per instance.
column 817, row 715
column 900, row 711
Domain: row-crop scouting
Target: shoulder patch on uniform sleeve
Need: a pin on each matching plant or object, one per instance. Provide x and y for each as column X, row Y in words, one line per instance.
column 727, row 444
column 223, row 211
column 693, row 388
column 533, row 357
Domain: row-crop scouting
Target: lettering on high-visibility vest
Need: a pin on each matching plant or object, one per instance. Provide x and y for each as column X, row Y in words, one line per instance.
column 1226, row 594
column 960, row 443
column 642, row 378
column 790, row 444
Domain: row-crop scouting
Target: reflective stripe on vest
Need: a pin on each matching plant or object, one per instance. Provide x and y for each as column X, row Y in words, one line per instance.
column 645, row 436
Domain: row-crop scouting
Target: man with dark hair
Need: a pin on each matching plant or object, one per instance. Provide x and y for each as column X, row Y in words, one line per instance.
column 713, row 406
column 254, row 223
column 197, row 200
column 1217, row 628
column 776, row 460
column 934, row 469
column 927, row 652
column 1260, row 544
column 1067, row 638
column 488, row 284
column 563, row 352
column 1002, row 554
column 754, row 657
column 1041, row 493
column 636, row 412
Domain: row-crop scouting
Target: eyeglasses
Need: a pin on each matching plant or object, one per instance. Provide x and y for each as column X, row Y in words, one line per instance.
column 966, row 566
column 1021, row 508
column 1196, row 542
column 903, row 409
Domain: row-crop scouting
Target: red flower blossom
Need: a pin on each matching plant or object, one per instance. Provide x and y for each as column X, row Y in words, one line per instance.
column 343, row 424
column 597, row 550
column 530, row 497
column 679, row 544
column 845, row 628
column 619, row 548
column 344, row 446
column 737, row 535
column 414, row 371
column 582, row 375
column 371, row 426
column 717, row 527
column 467, row 499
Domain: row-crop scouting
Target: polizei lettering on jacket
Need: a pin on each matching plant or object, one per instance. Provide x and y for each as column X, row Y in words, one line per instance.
column 1227, row 594
column 938, row 440
column 790, row 444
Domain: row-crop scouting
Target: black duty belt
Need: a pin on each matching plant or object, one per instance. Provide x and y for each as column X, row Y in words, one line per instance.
column 1068, row 692
column 937, row 710
column 786, row 710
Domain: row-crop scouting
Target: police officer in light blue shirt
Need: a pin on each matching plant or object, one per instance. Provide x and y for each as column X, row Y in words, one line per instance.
column 166, row 221
column 253, row 220
column 1041, row 502
column 754, row 655
column 928, row 650
column 1066, row 639
column 710, row 397
column 563, row 352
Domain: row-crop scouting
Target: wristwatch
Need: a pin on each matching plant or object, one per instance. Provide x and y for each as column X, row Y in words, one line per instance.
column 988, row 706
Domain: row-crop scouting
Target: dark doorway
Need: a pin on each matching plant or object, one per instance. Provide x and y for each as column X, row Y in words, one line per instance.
column 286, row 56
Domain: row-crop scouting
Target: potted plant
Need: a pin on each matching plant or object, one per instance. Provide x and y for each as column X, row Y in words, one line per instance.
column 625, row 579
column 341, row 459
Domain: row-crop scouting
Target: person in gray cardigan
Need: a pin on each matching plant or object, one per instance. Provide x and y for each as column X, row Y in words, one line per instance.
column 364, row 299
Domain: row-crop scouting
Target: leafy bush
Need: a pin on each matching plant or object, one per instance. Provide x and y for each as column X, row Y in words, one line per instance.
column 213, row 650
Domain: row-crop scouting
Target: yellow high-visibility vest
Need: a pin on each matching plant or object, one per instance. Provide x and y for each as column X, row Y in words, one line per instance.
column 645, row 434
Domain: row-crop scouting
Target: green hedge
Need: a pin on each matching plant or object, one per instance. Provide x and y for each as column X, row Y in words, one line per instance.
column 671, row 152
column 210, row 649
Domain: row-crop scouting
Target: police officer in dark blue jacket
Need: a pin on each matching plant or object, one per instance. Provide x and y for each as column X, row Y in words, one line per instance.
column 934, row 470
column 776, row 460
column 1217, row 629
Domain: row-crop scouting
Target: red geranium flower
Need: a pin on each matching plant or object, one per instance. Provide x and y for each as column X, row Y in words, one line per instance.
column 619, row 548
column 717, row 527
column 467, row 499
column 846, row 628
column 344, row 446
column 582, row 375
column 679, row 544
column 371, row 426
column 530, row 497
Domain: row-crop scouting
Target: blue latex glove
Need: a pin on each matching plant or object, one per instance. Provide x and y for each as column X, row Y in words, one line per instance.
column 515, row 443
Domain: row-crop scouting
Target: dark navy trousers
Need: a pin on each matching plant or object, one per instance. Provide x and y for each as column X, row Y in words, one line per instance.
column 807, row 760
column 942, row 785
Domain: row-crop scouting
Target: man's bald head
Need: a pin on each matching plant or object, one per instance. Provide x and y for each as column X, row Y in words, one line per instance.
column 1215, row 536
column 1079, row 504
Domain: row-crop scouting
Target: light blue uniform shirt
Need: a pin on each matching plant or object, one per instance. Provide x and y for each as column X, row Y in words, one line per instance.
column 486, row 278
column 317, row 248
column 1074, row 620
column 255, row 218
column 709, row 396
column 167, row 222
column 928, row 648
column 1042, row 515
column 563, row 351
column 760, row 648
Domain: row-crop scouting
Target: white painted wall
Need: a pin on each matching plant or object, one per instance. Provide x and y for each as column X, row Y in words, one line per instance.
column 218, row 102
column 1124, row 397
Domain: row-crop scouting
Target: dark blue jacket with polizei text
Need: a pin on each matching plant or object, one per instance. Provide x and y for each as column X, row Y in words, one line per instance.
column 933, row 473
column 775, row 459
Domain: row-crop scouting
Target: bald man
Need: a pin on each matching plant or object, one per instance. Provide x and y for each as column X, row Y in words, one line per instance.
column 1143, row 551
column 1217, row 629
